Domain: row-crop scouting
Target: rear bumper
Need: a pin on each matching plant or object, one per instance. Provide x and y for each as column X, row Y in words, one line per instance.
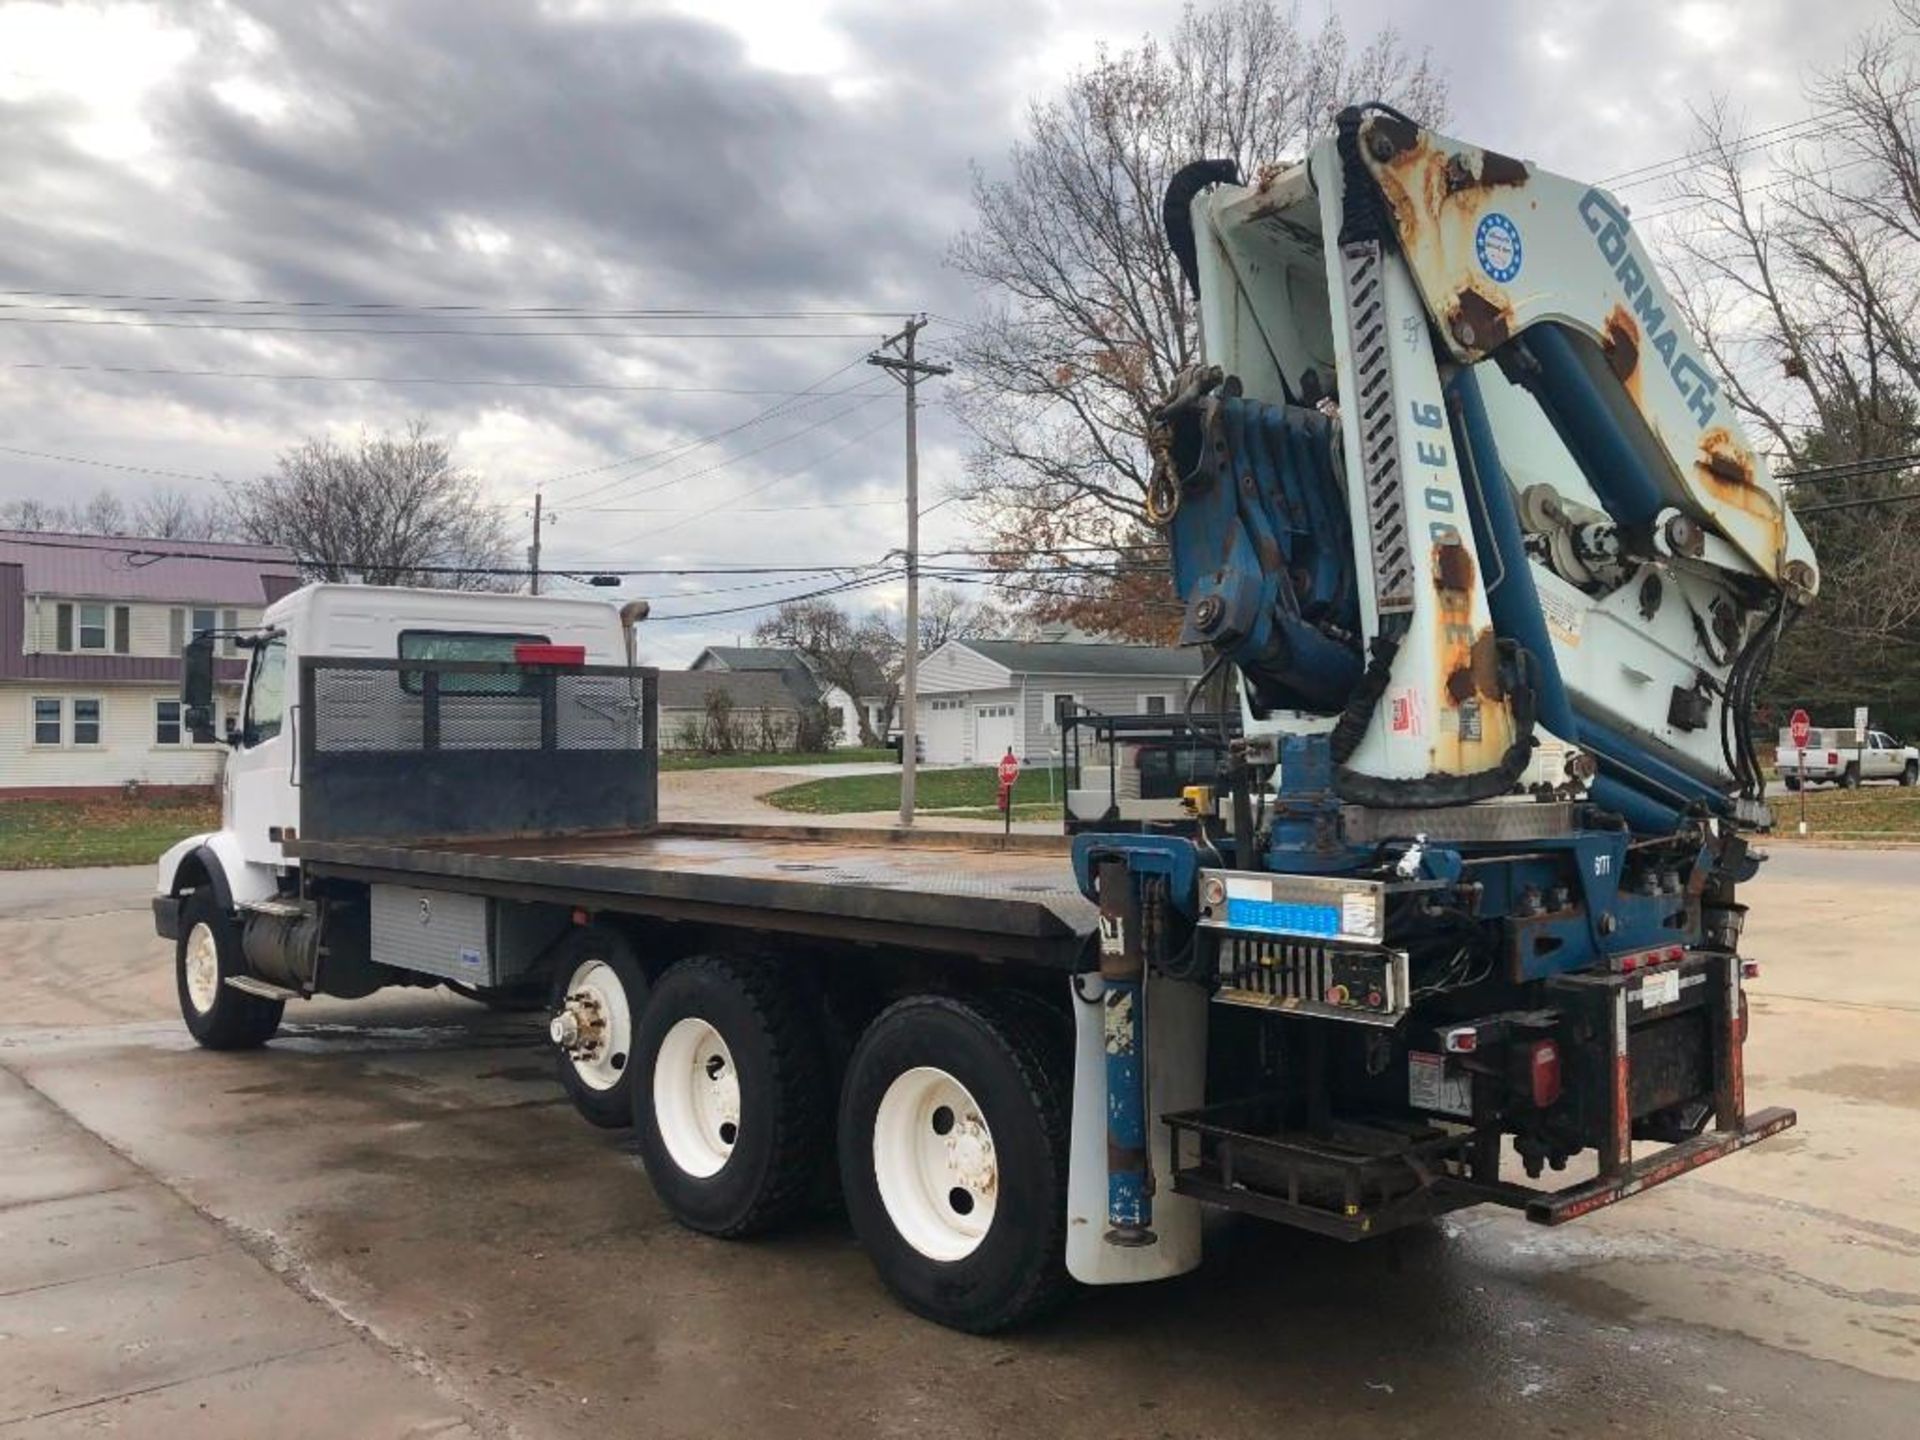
column 166, row 916
column 1670, row 1163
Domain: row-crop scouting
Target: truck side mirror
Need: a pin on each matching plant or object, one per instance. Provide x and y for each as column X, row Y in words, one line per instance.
column 196, row 688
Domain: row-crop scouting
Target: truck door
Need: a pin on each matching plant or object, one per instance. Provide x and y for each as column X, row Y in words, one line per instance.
column 261, row 797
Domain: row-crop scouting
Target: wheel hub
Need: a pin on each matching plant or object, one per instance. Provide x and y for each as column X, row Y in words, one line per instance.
column 202, row 968
column 935, row 1163
column 696, row 1097
column 581, row 1028
column 594, row 1025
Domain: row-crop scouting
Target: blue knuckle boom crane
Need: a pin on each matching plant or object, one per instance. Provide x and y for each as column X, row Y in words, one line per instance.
column 1455, row 499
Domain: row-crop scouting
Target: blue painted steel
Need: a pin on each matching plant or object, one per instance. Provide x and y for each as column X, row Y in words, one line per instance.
column 1173, row 856
column 1597, row 425
column 1129, row 1207
column 1284, row 917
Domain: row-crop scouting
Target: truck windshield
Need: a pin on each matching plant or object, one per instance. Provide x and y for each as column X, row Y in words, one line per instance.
column 465, row 645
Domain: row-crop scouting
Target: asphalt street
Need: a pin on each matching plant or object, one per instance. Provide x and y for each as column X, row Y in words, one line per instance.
column 389, row 1223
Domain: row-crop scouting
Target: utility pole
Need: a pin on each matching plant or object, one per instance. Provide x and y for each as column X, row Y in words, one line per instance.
column 533, row 552
column 896, row 357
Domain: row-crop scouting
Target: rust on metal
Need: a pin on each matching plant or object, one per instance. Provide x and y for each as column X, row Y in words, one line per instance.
column 1437, row 197
column 1479, row 724
column 1480, row 322
column 1452, row 566
column 1729, row 472
column 1622, row 348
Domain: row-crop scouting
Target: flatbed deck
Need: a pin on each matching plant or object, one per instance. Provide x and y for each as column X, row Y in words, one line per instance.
column 1010, row 898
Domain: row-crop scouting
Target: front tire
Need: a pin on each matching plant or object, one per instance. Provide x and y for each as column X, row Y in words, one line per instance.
column 599, row 992
column 954, row 1127
column 732, row 1108
column 205, row 956
column 1792, row 782
column 1911, row 775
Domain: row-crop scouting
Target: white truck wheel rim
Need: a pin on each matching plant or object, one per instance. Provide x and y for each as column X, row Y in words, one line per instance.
column 203, row 968
column 934, row 1161
column 696, row 1097
column 600, row 1039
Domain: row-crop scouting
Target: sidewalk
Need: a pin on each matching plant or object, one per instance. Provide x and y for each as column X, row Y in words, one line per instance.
column 123, row 1309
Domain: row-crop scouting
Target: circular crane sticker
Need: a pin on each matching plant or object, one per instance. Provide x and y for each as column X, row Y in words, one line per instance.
column 1496, row 245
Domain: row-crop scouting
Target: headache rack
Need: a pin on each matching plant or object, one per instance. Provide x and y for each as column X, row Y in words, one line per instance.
column 473, row 748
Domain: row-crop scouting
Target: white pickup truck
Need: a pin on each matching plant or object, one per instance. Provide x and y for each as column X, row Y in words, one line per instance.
column 1845, row 757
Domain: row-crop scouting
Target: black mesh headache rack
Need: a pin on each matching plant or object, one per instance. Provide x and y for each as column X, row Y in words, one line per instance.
column 443, row 748
column 540, row 783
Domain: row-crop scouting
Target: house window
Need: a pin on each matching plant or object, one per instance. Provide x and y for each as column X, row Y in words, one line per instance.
column 204, row 620
column 166, row 722
column 86, row 722
column 1153, row 704
column 93, row 627
column 46, row 720
column 1057, row 702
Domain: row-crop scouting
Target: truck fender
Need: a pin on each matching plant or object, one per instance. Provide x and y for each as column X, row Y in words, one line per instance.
column 214, row 859
column 1176, row 1079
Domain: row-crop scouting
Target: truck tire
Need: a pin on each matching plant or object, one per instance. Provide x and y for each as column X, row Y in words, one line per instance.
column 599, row 993
column 954, row 1126
column 1792, row 782
column 1850, row 779
column 206, row 954
column 732, row 1108
column 1911, row 775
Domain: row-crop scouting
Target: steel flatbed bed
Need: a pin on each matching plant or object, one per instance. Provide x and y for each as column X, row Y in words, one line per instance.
column 996, row 897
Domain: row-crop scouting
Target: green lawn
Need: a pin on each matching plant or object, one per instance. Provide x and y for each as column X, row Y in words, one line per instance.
column 973, row 789
column 1872, row 812
column 59, row 834
column 745, row 761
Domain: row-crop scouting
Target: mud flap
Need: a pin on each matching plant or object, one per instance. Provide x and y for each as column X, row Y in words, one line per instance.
column 1176, row 1080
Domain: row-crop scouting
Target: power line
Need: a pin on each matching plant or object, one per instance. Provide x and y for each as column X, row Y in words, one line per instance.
column 1638, row 175
column 657, row 459
column 445, row 330
column 108, row 465
column 884, row 314
column 748, row 494
column 620, row 481
column 842, row 588
column 1848, row 469
column 276, row 375
column 131, row 547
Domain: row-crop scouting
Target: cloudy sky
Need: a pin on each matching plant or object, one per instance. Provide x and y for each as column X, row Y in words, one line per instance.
column 468, row 162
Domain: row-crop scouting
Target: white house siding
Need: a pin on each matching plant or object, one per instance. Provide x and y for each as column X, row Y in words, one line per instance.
column 1110, row 695
column 954, row 667
column 127, row 750
column 150, row 626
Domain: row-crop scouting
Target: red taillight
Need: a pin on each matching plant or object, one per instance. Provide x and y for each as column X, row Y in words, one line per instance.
column 1832, row 759
column 1543, row 1064
column 549, row 654
column 1461, row 1040
column 1749, row 969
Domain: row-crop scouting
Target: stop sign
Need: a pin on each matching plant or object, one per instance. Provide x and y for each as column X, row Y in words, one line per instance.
column 1009, row 769
column 1799, row 727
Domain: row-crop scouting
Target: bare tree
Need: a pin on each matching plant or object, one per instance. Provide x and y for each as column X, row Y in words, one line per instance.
column 1804, row 286
column 392, row 510
column 1089, row 319
column 170, row 514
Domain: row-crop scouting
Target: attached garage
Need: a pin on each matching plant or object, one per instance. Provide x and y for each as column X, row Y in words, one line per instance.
column 943, row 730
column 993, row 731
column 982, row 698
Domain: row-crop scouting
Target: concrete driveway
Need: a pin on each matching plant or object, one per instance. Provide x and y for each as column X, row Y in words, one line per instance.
column 389, row 1224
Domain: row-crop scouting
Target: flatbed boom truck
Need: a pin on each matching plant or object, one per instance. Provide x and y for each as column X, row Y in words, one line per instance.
column 1496, row 577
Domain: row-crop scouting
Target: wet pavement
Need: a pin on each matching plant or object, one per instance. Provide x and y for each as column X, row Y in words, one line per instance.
column 389, row 1224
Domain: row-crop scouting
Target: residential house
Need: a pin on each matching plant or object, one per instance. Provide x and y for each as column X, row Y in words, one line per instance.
column 801, row 674
column 91, row 629
column 762, row 704
column 980, row 698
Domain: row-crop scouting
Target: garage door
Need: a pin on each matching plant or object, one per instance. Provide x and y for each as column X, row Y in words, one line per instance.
column 992, row 732
column 944, row 728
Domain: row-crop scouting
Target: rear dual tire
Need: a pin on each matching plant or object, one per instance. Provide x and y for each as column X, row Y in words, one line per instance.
column 953, row 1138
column 732, row 1098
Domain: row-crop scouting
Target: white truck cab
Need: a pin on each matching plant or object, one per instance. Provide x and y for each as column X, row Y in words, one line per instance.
column 259, row 798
